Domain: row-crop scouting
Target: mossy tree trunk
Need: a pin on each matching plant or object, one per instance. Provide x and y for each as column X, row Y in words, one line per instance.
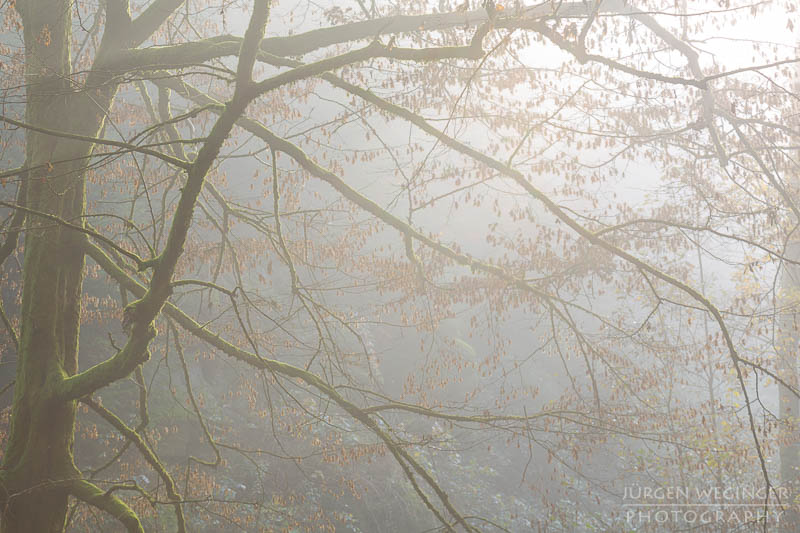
column 38, row 457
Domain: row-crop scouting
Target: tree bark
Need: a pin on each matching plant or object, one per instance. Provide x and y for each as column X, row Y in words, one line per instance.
column 40, row 445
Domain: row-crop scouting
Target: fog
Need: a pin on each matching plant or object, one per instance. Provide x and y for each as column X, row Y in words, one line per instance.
column 389, row 267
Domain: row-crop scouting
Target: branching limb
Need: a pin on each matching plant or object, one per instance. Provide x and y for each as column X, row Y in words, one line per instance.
column 140, row 263
column 303, row 43
column 273, row 366
column 583, row 56
column 9, row 327
column 139, row 316
column 119, row 366
column 368, row 205
column 95, row 140
column 17, row 220
column 105, row 501
column 151, row 19
column 209, row 438
column 146, row 452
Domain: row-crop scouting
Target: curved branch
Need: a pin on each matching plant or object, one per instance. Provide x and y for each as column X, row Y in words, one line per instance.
column 90, row 493
column 107, row 142
column 140, row 263
column 303, row 43
column 148, row 454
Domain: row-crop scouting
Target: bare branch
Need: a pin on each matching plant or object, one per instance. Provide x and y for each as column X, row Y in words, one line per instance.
column 151, row 19
column 90, row 493
column 107, row 142
column 148, row 454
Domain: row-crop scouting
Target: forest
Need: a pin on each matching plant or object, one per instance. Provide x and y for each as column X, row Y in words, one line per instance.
column 387, row 266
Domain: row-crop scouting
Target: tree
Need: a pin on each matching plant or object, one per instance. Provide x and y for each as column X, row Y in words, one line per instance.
column 533, row 131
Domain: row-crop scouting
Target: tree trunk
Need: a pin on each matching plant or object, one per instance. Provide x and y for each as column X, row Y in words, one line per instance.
column 40, row 445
